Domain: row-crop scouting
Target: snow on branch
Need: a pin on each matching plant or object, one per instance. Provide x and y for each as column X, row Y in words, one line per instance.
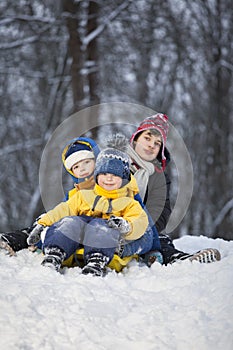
column 24, row 41
column 20, row 42
column 27, row 18
column 106, row 22
column 226, row 64
column 223, row 212
column 19, row 146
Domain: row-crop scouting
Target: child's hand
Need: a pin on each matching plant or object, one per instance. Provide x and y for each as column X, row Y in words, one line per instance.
column 119, row 223
column 34, row 236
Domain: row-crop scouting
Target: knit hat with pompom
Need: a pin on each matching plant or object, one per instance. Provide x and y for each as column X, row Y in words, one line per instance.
column 114, row 159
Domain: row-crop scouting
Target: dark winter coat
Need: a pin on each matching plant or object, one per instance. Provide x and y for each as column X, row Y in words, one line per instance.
column 157, row 199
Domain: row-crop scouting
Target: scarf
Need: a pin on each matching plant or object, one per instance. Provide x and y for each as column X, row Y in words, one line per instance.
column 86, row 184
column 142, row 170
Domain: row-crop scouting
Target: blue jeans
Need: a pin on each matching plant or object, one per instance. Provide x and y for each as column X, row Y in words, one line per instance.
column 74, row 232
column 156, row 241
column 139, row 246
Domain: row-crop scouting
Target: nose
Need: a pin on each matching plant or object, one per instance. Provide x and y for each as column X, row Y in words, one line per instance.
column 151, row 144
column 109, row 177
column 82, row 167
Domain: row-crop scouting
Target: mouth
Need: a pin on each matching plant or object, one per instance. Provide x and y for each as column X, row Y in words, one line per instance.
column 109, row 185
column 84, row 175
column 148, row 152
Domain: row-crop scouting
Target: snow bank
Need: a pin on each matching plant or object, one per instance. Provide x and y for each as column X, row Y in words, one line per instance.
column 177, row 307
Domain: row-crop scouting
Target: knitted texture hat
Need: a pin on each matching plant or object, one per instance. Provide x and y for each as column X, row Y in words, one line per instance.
column 113, row 161
column 158, row 122
column 76, row 152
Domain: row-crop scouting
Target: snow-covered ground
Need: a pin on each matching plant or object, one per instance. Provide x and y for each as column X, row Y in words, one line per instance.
column 183, row 306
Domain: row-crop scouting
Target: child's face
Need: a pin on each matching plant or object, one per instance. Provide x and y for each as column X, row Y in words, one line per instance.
column 109, row 182
column 148, row 145
column 83, row 168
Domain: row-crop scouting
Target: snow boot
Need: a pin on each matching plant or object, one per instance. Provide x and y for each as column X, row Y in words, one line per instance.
column 54, row 257
column 96, row 265
column 5, row 245
column 14, row 241
column 207, row 255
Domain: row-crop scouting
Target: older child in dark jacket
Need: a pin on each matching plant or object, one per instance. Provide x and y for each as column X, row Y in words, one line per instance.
column 149, row 157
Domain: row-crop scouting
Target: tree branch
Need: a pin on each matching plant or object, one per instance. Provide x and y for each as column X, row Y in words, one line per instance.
column 106, row 22
column 223, row 212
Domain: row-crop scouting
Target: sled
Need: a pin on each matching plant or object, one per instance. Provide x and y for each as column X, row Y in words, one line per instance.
column 116, row 263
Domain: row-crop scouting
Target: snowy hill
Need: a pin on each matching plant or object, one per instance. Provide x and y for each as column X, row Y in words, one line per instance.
column 182, row 306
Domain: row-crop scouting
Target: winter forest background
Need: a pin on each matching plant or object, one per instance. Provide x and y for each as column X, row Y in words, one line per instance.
column 173, row 56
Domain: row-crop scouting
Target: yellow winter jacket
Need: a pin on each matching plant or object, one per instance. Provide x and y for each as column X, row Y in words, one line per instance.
column 101, row 203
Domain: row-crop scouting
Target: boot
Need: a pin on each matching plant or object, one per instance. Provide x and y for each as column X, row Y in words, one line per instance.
column 207, row 255
column 96, row 264
column 14, row 241
column 6, row 246
column 54, row 257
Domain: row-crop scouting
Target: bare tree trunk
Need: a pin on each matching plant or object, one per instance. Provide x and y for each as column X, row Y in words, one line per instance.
column 92, row 59
column 92, row 54
column 75, row 51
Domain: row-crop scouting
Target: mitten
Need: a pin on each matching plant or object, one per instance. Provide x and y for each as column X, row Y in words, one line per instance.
column 119, row 223
column 34, row 236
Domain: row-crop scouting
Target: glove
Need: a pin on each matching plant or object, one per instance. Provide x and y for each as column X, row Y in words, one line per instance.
column 34, row 236
column 120, row 224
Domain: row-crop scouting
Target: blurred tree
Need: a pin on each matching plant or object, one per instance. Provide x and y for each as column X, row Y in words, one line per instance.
column 173, row 56
column 209, row 64
column 34, row 97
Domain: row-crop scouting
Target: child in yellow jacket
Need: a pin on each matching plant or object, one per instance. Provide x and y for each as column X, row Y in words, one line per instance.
column 98, row 219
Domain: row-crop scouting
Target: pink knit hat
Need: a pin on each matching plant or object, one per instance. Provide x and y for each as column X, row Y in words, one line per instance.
column 159, row 122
